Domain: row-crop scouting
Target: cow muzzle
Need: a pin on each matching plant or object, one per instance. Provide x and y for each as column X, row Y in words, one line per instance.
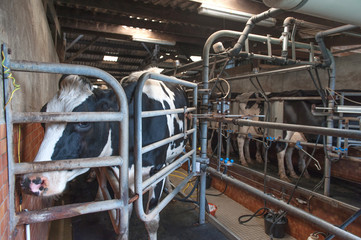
column 34, row 185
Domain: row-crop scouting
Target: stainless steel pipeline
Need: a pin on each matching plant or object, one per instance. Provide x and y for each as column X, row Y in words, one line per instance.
column 138, row 149
column 289, row 208
column 278, row 71
column 123, row 135
column 291, row 127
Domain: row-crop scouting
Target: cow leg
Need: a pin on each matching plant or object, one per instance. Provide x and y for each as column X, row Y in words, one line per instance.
column 154, row 196
column 302, row 164
column 281, row 157
column 281, row 165
column 288, row 158
column 240, row 142
column 259, row 147
column 246, row 150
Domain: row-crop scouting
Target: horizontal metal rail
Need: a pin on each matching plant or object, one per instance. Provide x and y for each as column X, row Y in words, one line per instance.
column 166, row 170
column 272, row 72
column 156, row 113
column 291, row 127
column 165, row 141
column 59, row 165
column 51, row 117
column 67, row 211
column 289, row 208
column 168, row 198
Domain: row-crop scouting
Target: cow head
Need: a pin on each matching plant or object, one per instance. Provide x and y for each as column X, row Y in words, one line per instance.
column 72, row 140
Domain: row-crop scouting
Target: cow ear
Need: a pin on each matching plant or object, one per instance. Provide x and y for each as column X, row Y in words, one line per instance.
column 43, row 109
column 106, row 101
column 69, row 80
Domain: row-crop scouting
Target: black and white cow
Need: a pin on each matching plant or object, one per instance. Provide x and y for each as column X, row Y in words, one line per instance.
column 99, row 139
column 295, row 112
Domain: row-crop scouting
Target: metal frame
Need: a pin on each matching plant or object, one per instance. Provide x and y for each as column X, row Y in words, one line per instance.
column 53, row 213
column 335, row 132
column 141, row 186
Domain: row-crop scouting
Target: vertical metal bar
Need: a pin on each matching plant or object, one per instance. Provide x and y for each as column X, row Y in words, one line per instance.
column 228, row 144
column 10, row 149
column 331, row 103
column 269, row 45
column 312, row 52
column 219, row 152
column 194, row 125
column 246, row 45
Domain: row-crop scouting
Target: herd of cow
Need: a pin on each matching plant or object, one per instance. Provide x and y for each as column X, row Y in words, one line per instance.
column 295, row 111
column 85, row 140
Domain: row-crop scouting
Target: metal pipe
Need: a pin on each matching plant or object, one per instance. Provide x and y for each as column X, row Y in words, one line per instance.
column 289, row 208
column 278, row 71
column 347, row 222
column 67, row 211
column 156, row 113
column 27, row 232
column 59, row 165
column 138, row 150
column 123, row 135
column 319, row 39
column 285, row 34
column 9, row 142
column 162, row 142
column 166, row 170
column 48, row 117
column 249, row 26
column 346, row 11
column 291, row 127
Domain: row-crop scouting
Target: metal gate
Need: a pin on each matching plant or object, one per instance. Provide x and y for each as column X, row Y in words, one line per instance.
column 140, row 185
column 118, row 207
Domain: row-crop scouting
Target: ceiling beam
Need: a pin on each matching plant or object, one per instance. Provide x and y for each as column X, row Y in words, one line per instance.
column 176, row 29
column 81, row 50
column 168, row 14
column 127, row 33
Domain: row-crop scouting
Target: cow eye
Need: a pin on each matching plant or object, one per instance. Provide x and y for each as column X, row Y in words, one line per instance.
column 82, row 126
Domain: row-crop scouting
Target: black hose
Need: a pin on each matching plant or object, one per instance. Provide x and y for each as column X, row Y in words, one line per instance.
column 256, row 214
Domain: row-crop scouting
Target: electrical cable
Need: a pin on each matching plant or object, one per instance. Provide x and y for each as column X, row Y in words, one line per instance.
column 10, row 76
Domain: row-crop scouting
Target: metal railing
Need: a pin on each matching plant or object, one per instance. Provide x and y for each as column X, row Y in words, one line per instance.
column 120, row 204
column 141, row 186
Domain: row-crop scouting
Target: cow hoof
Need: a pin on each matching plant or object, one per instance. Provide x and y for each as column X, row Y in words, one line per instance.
column 245, row 164
column 294, row 175
column 285, row 178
